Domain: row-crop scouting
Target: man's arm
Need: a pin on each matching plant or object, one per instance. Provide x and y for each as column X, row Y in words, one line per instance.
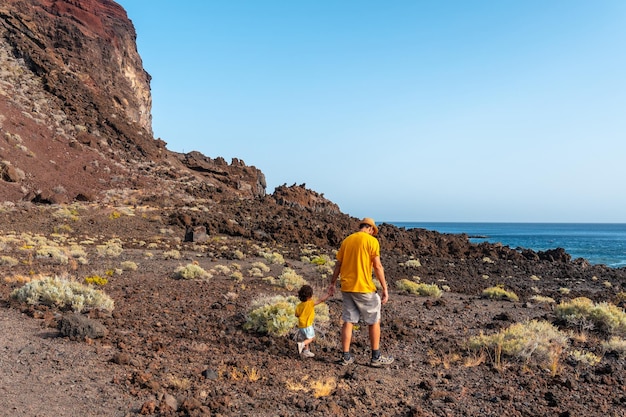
column 380, row 274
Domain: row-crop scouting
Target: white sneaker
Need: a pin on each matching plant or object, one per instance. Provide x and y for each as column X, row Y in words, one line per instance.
column 308, row 354
column 300, row 347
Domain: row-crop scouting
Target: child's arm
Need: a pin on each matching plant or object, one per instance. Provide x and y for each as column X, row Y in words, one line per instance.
column 321, row 300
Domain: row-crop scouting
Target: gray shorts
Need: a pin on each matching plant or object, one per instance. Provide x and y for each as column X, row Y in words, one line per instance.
column 359, row 305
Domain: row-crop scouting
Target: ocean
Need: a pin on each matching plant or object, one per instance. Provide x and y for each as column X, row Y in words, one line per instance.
column 599, row 243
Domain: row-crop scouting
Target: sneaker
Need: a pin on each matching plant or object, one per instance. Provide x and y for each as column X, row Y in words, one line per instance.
column 307, row 353
column 300, row 347
column 343, row 361
column 381, row 361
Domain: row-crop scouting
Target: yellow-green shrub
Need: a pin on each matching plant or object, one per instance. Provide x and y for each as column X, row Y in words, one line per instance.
column 289, row 279
column 498, row 292
column 63, row 294
column 583, row 312
column 112, row 247
column 191, row 271
column 276, row 315
column 418, row 288
column 538, row 339
column 96, row 280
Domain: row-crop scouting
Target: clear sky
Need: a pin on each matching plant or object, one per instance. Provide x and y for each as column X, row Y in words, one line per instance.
column 438, row 110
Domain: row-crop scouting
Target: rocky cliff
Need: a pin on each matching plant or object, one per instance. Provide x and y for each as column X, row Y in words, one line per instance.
column 75, row 112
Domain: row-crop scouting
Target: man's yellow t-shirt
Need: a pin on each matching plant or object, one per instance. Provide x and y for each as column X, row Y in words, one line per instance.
column 305, row 311
column 356, row 255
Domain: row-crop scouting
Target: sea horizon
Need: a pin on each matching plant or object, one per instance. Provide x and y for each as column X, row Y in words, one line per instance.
column 598, row 243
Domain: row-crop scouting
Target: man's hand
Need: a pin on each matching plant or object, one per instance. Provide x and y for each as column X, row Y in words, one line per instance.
column 385, row 297
column 331, row 289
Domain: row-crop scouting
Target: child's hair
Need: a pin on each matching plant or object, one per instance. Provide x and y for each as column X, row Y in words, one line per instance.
column 305, row 292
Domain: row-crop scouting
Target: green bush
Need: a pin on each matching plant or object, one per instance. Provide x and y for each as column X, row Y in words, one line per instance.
column 192, row 271
column 64, row 294
column 536, row 339
column 289, row 279
column 276, row 315
column 418, row 288
column 582, row 312
column 498, row 292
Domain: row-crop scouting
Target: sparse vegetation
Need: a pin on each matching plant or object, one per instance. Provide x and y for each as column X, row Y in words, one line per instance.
column 539, row 340
column 418, row 288
column 192, row 271
column 64, row 294
column 275, row 315
column 498, row 292
column 289, row 279
column 585, row 314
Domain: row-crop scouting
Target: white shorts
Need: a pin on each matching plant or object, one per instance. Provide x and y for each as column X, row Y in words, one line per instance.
column 359, row 305
column 307, row 332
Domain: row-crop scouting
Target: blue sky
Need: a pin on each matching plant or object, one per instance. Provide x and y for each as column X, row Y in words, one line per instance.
column 439, row 110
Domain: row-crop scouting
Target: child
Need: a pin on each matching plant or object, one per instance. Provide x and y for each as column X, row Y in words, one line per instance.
column 305, row 311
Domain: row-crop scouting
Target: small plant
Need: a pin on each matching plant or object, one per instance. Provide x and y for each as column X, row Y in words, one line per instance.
column 581, row 311
column 8, row 261
column 192, row 271
column 237, row 276
column 498, row 292
column 412, row 263
column 275, row 315
column 261, row 266
column 273, row 258
column 112, row 248
column 63, row 294
column 584, row 357
column 222, row 269
column 129, row 266
column 616, row 345
column 323, row 387
column 96, row 280
column 172, row 254
column 289, row 280
column 536, row 339
column 411, row 287
column 542, row 300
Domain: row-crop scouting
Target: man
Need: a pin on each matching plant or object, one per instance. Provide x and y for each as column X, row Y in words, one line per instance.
column 358, row 255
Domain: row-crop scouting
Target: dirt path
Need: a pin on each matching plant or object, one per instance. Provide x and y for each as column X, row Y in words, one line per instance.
column 42, row 375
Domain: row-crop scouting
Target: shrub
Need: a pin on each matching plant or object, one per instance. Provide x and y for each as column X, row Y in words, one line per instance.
column 63, row 294
column 54, row 252
column 192, row 271
column 112, row 248
column 273, row 258
column 537, row 339
column 172, row 254
column 584, row 357
column 411, row 287
column 616, row 345
column 498, row 292
column 261, row 266
column 222, row 269
column 412, row 263
column 8, row 261
column 289, row 280
column 129, row 266
column 276, row 315
column 96, row 280
column 582, row 312
column 542, row 300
